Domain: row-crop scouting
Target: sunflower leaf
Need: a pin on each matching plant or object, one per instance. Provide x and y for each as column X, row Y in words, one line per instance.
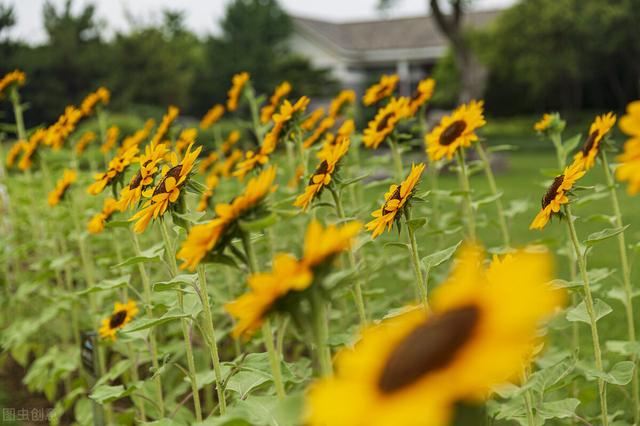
column 417, row 223
column 439, row 257
column 562, row 409
column 579, row 313
column 175, row 283
column 355, row 180
column 107, row 285
column 151, row 254
column 258, row 224
column 605, row 234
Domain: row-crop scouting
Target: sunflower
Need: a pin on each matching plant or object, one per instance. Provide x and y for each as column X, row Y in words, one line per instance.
column 212, row 116
column 394, row 202
column 211, row 182
column 116, row 168
column 455, row 131
column 544, row 123
column 295, row 179
column 266, row 112
column 137, row 137
column 85, row 139
column 345, row 131
column 322, row 244
column 122, row 314
column 324, row 126
column 97, row 222
column 165, row 124
column 102, row 95
column 411, row 369
column 111, row 139
column 58, row 132
column 141, row 181
column 422, row 95
column 205, row 237
column 231, row 140
column 385, row 122
column 598, row 130
column 14, row 152
column 62, row 185
column 225, row 168
column 237, row 84
column 266, row 289
column 630, row 122
column 167, row 191
column 186, row 138
column 14, row 77
column 30, row 149
column 338, row 104
column 207, row 162
column 310, row 122
column 321, row 177
column 381, row 90
column 556, row 194
column 629, row 168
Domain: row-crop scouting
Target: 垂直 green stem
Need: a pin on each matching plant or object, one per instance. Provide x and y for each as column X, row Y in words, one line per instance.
column 17, row 111
column 397, row 158
column 321, row 332
column 466, row 189
column 588, row 301
column 184, row 322
column 626, row 279
column 502, row 221
column 415, row 261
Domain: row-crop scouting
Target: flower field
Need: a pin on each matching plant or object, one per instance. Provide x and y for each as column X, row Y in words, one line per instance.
column 276, row 263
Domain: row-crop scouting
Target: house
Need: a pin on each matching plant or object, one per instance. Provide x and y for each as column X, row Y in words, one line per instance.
column 358, row 52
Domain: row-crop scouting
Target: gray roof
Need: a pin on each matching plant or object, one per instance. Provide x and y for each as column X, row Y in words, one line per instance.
column 402, row 33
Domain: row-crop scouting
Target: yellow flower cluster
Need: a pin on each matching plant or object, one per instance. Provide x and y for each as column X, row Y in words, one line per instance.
column 100, row 96
column 629, row 168
column 267, row 111
column 381, row 90
column 237, row 84
column 385, row 122
column 58, row 133
column 85, row 139
column 212, row 116
column 97, row 222
column 117, row 165
column 11, row 78
column 63, row 184
column 340, row 102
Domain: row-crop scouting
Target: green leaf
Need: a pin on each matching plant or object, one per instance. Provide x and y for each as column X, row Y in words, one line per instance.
column 579, row 313
column 151, row 254
column 117, row 224
column 115, row 372
column 605, row 234
column 415, row 224
column 486, row 200
column 620, row 374
column 61, row 261
column 562, row 409
column 103, row 394
column 176, row 282
column 258, row 224
column 188, row 216
column 144, row 323
column 355, row 180
column 107, row 285
column 243, row 382
column 396, row 245
column 439, row 257
column 571, row 143
column 623, row 347
column 503, row 147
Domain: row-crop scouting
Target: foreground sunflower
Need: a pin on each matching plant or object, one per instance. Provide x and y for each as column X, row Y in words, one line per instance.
column 63, row 184
column 322, row 176
column 207, row 237
column 97, row 222
column 237, row 84
column 212, row 116
column 381, row 90
column 455, row 131
column 385, row 122
column 122, row 314
column 597, row 132
column 265, row 291
column 422, row 95
column 412, row 369
column 556, row 194
column 115, row 170
column 168, row 191
column 395, row 201
column 267, row 111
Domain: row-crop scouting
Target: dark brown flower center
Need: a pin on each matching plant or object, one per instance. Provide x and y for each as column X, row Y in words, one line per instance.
column 174, row 173
column 117, row 319
column 431, row 346
column 589, row 143
column 552, row 191
column 382, row 124
column 135, row 182
column 452, row 132
column 322, row 169
column 394, row 196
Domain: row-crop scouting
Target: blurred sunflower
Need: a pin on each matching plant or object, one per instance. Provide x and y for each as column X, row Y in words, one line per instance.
column 211, row 182
column 310, row 122
column 267, row 111
column 207, row 162
column 186, row 138
column 455, row 131
column 341, row 102
column 232, row 139
column 225, row 168
column 62, row 185
column 385, row 122
column 629, row 168
column 381, row 90
column 322, row 176
column 97, row 222
column 115, row 169
column 14, row 77
column 111, row 139
column 212, row 116
column 630, row 122
column 57, row 133
column 30, row 149
column 137, row 137
column 85, row 139
column 597, row 132
column 394, row 202
column 345, row 131
column 265, row 290
column 237, row 84
column 206, row 237
column 412, row 369
column 149, row 165
column 322, row 244
column 167, row 192
column 14, row 152
column 165, row 125
column 100, row 96
column 422, row 95
column 122, row 314
column 556, row 194
column 325, row 125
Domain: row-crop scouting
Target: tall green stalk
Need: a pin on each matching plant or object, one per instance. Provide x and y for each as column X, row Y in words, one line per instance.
column 420, row 282
column 397, row 157
column 588, row 301
column 17, row 111
column 466, row 197
column 502, row 221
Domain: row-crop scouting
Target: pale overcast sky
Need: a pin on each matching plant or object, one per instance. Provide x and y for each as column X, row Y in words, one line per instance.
column 202, row 15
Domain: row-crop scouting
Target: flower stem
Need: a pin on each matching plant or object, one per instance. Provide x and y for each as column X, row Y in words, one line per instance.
column 321, row 332
column 504, row 230
column 626, row 279
column 415, row 261
column 17, row 111
column 253, row 106
column 173, row 267
column 397, row 158
column 466, row 188
column 528, row 401
column 588, row 301
column 211, row 338
column 556, row 138
column 153, row 346
column 357, row 283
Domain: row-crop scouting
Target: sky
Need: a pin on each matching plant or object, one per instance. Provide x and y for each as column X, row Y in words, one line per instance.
column 202, row 15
